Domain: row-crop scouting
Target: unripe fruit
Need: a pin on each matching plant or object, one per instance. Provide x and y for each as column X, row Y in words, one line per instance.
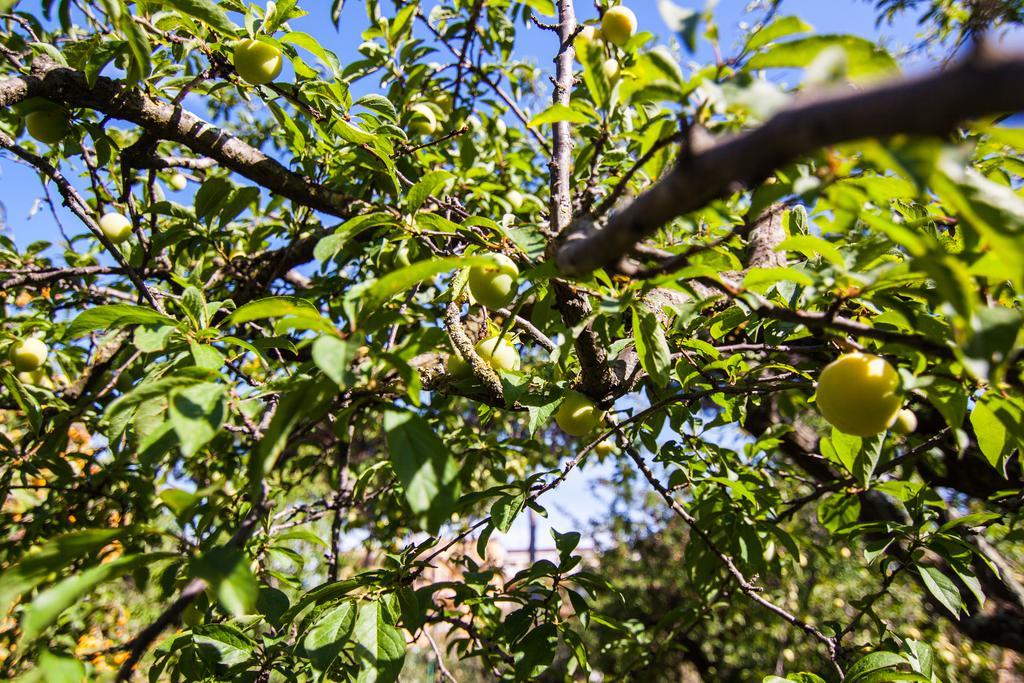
column 858, row 393
column 584, row 39
column 494, row 286
column 500, row 354
column 48, row 125
column 423, row 121
column 578, row 415
column 618, row 25
column 177, row 182
column 192, row 616
column 906, row 422
column 515, row 198
column 605, row 448
column 257, row 62
column 445, row 102
column 116, row 227
column 28, row 355
column 37, row 378
column 611, row 69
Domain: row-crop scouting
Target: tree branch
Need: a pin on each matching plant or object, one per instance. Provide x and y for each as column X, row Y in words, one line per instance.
column 141, row 642
column 464, row 347
column 78, row 206
column 748, row 589
column 933, row 104
column 166, row 122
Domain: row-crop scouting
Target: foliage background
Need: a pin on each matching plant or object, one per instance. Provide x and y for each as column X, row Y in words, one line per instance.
column 264, row 441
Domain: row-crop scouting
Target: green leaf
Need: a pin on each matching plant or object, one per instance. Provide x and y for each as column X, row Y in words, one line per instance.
column 328, row 247
column 145, row 392
column 558, row 112
column 545, row 7
column 993, row 212
column 308, row 42
column 374, row 293
column 49, row 604
column 227, row 571
column 950, row 399
column 197, row 413
column 975, row 519
column 38, row 563
column 942, row 588
column 25, row 400
column 597, row 84
column 780, row 28
column 334, row 357
column 212, row 195
column 113, row 316
column 869, row 664
column 761, row 279
column 207, row 11
column 329, row 634
column 379, row 104
column 995, row 421
column 540, row 410
column 307, row 400
column 206, row 356
column 54, row 668
column 535, row 652
column 681, row 20
column 273, row 604
column 991, row 338
column 838, row 511
column 864, row 57
column 274, row 307
column 152, row 339
column 425, row 188
column 178, row 500
column 858, row 455
column 505, row 510
column 380, row 651
column 811, row 246
column 651, row 346
column 424, row 466
column 222, row 646
column 353, row 134
column 576, row 645
column 138, row 42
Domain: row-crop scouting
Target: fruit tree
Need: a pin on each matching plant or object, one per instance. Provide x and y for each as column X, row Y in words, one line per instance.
column 321, row 299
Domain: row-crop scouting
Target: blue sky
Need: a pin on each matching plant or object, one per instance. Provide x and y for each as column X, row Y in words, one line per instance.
column 575, row 499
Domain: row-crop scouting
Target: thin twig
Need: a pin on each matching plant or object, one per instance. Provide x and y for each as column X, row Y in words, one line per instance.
column 752, row 591
column 81, row 209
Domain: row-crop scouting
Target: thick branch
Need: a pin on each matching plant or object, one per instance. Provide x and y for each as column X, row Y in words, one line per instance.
column 932, row 104
column 464, row 346
column 166, row 122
